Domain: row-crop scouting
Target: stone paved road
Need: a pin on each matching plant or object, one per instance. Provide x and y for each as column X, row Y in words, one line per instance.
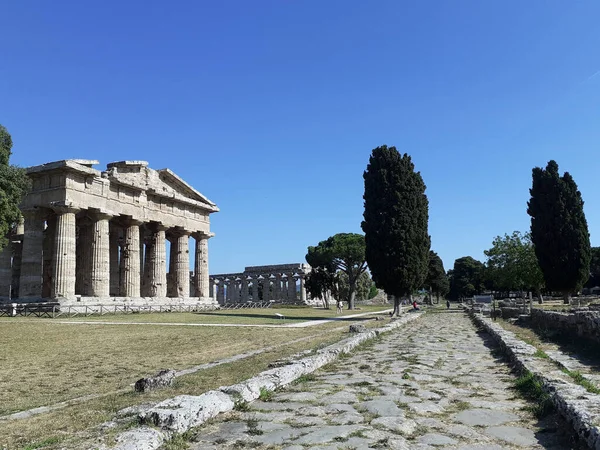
column 431, row 384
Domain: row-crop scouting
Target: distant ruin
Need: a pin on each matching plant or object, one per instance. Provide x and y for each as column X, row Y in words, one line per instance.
column 279, row 283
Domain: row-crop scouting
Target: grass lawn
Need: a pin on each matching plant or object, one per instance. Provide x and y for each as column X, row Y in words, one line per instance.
column 43, row 362
column 262, row 316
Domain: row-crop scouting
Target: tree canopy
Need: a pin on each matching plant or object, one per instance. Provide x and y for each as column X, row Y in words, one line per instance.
column 559, row 230
column 466, row 278
column 13, row 184
column 343, row 252
column 512, row 264
column 437, row 280
column 594, row 279
column 395, row 223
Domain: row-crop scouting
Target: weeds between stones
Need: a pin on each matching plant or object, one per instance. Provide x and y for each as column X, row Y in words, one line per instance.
column 265, row 395
column 305, row 378
column 541, row 354
column 581, row 380
column 531, row 388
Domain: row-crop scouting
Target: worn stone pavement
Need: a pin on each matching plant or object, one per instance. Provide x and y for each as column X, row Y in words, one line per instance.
column 434, row 383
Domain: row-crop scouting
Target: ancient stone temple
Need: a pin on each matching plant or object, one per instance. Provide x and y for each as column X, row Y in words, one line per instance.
column 279, row 283
column 99, row 237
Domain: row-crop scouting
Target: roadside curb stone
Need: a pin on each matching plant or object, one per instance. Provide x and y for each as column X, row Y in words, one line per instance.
column 580, row 408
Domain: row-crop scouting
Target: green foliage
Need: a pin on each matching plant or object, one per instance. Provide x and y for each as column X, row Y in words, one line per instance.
column 531, row 388
column 13, row 184
column 467, row 278
column 559, row 230
column 319, row 282
column 265, row 395
column 395, row 222
column 437, row 280
column 594, row 279
column 363, row 286
column 512, row 264
column 343, row 252
column 372, row 291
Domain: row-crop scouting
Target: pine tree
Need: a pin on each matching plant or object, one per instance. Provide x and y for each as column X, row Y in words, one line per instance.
column 13, row 184
column 559, row 230
column 395, row 223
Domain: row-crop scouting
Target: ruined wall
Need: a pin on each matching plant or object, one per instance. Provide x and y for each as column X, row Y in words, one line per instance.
column 584, row 324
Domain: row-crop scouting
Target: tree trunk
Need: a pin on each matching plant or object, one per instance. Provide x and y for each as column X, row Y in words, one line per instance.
column 351, row 299
column 567, row 297
column 396, row 310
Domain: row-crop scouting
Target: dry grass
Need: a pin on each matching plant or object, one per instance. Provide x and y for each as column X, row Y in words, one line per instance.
column 44, row 362
column 263, row 316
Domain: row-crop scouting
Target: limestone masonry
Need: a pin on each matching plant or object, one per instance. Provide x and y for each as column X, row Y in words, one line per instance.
column 262, row 283
column 96, row 237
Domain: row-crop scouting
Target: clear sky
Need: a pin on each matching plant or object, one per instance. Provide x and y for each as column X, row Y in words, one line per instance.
column 271, row 108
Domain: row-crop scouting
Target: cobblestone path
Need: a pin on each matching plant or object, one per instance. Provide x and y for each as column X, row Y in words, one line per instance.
column 434, row 383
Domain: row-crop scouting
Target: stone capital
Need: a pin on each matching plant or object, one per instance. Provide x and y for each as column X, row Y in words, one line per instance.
column 201, row 235
column 177, row 232
column 33, row 214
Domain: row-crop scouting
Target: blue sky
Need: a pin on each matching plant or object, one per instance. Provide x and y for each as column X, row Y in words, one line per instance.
column 271, row 108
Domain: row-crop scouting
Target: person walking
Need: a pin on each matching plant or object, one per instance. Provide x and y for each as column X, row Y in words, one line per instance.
column 447, row 304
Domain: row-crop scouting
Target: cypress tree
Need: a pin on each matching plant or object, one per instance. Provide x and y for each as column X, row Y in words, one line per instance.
column 395, row 223
column 559, row 230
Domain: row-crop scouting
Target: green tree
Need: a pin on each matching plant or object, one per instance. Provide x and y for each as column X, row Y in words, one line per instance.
column 594, row 279
column 343, row 252
column 13, row 184
column 512, row 264
column 437, row 281
column 395, row 223
column 466, row 278
column 319, row 283
column 559, row 230
column 363, row 286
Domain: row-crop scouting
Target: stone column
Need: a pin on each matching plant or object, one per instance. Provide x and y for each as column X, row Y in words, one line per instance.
column 220, row 292
column 255, row 296
column 232, row 288
column 114, row 235
column 277, row 287
column 181, row 266
column 47, row 270
column 266, row 288
column 156, row 262
column 284, row 293
column 302, row 289
column 142, row 259
column 100, row 256
column 30, row 284
column 6, row 270
column 291, row 288
column 211, row 288
column 201, row 283
column 130, row 260
column 17, row 247
column 83, row 254
column 244, row 289
column 63, row 258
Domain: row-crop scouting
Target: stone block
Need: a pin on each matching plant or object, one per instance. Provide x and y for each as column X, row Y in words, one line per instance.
column 162, row 379
column 357, row 328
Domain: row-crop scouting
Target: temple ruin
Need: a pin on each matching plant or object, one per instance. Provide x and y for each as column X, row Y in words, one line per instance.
column 278, row 283
column 98, row 237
